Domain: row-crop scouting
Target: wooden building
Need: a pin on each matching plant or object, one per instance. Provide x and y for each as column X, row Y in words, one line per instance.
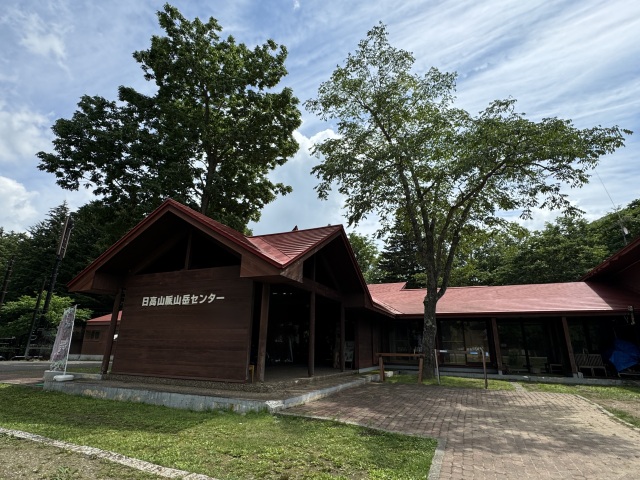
column 563, row 328
column 94, row 338
column 202, row 301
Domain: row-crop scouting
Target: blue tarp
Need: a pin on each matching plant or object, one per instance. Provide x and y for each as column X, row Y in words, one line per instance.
column 624, row 355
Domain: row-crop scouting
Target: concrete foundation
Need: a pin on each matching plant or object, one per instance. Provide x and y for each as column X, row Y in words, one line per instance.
column 92, row 386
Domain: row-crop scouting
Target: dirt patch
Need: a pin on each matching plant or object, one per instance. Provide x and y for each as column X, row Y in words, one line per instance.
column 631, row 408
column 26, row 460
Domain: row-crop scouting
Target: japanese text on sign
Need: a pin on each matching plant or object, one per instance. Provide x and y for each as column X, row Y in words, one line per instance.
column 179, row 300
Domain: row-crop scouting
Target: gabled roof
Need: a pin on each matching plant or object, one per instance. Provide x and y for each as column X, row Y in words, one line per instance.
column 287, row 247
column 277, row 250
column 543, row 299
column 616, row 263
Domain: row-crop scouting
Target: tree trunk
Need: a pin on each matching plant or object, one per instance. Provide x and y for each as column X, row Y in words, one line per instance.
column 429, row 332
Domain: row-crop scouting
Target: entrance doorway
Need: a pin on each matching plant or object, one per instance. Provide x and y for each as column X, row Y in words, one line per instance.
column 288, row 331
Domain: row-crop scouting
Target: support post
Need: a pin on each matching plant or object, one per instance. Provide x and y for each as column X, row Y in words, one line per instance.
column 568, row 347
column 262, row 334
column 381, row 367
column 112, row 331
column 312, row 334
column 342, row 339
column 496, row 344
column 420, row 368
column 484, row 369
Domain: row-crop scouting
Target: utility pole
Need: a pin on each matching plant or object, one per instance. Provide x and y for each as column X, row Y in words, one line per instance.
column 5, row 283
column 60, row 253
column 62, row 250
column 34, row 319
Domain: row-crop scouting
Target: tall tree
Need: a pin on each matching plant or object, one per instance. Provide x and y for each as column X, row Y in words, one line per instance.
column 37, row 253
column 366, row 253
column 9, row 247
column 481, row 257
column 215, row 128
column 618, row 228
column 403, row 150
column 398, row 261
column 562, row 252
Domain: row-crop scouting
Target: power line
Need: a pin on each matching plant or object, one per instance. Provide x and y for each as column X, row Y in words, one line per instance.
column 615, row 209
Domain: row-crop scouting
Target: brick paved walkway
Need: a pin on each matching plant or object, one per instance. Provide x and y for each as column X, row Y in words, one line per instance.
column 494, row 434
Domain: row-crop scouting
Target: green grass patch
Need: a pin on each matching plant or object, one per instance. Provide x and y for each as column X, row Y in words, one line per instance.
column 454, row 382
column 220, row 444
column 613, row 392
column 612, row 398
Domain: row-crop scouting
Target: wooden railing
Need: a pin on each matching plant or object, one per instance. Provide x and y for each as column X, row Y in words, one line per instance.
column 419, row 356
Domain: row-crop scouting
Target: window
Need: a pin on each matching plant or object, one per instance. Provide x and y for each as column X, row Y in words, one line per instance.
column 457, row 336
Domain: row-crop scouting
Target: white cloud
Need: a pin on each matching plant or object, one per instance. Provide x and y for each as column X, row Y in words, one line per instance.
column 16, row 208
column 302, row 207
column 40, row 37
column 43, row 40
column 561, row 59
column 22, row 134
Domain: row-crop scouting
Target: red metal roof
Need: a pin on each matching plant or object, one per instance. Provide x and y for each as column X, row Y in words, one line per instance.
column 288, row 246
column 103, row 319
column 280, row 249
column 549, row 298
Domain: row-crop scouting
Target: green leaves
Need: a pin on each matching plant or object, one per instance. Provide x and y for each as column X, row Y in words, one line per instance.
column 208, row 137
column 16, row 316
column 403, row 150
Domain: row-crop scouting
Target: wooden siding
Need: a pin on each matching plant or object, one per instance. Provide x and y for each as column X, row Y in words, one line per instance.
column 364, row 344
column 94, row 339
column 207, row 338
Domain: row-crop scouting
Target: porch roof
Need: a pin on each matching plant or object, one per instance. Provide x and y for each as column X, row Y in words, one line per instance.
column 544, row 299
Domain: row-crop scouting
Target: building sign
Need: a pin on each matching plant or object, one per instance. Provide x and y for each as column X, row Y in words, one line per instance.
column 179, row 300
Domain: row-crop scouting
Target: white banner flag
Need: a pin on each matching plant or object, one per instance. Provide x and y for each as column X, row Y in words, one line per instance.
column 60, row 352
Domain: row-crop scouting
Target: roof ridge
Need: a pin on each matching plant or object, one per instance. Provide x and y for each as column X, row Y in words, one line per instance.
column 294, row 231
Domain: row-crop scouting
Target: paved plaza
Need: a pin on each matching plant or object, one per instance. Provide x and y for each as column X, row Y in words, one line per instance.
column 482, row 434
column 495, row 434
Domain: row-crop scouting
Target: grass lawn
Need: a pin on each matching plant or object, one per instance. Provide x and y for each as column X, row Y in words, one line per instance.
column 220, row 444
column 456, row 382
column 622, row 401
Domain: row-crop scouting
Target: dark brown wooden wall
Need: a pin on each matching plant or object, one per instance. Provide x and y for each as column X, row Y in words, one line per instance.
column 368, row 331
column 630, row 278
column 94, row 346
column 208, row 339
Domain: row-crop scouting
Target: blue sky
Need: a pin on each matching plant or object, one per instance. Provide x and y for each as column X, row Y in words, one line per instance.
column 570, row 59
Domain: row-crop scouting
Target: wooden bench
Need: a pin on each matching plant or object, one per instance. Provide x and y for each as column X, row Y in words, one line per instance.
column 590, row 362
